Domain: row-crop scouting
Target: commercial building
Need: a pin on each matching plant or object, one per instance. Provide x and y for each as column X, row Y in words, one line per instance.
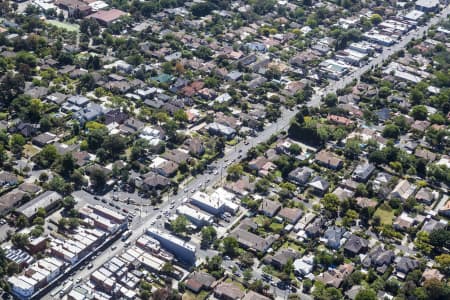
column 206, row 203
column 182, row 250
column 195, row 216
column 427, row 5
column 380, row 39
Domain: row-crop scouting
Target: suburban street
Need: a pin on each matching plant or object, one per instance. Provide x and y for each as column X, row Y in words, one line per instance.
column 235, row 153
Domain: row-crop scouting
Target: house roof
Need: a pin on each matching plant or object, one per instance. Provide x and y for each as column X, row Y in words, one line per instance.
column 269, row 207
column 108, row 16
column 229, row 291
column 251, row 295
column 355, row 244
column 319, row 183
column 199, row 280
column 328, row 158
column 44, row 200
column 290, row 214
column 284, row 255
column 407, row 264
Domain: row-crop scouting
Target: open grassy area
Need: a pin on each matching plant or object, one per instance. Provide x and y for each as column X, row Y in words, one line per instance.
column 293, row 246
column 385, row 215
column 66, row 26
column 30, row 150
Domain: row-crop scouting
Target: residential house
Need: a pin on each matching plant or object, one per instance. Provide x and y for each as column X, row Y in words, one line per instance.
column 334, row 236
column 153, row 181
column 427, row 195
column 404, row 222
column 403, row 190
column 49, row 200
column 290, row 215
column 430, row 274
column 320, row 186
column 199, row 281
column 314, row 229
column 44, row 139
column 405, row 265
column 300, row 175
column 283, row 256
column 269, row 208
column 335, row 277
column 355, row 245
column 131, row 126
column 8, row 179
column 339, row 120
column 304, row 266
column 251, row 295
column 379, row 258
column 363, row 172
column 432, row 225
column 329, row 160
column 228, row 291
column 196, row 147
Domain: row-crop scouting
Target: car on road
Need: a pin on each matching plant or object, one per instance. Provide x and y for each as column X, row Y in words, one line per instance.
column 172, row 206
column 96, row 197
column 156, row 208
column 104, row 200
column 153, row 223
column 125, row 210
column 158, row 216
column 226, row 257
column 193, row 191
column 216, row 172
column 111, row 204
column 114, row 247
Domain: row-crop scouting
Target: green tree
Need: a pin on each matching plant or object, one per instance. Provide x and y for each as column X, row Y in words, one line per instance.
column 443, row 262
column 214, row 266
column 21, row 222
column 230, row 246
column 331, row 203
column 376, row 19
column 440, row 238
column 12, row 268
column 366, row 294
column 47, row 156
column 114, row 145
column 235, row 172
column 16, row 143
column 168, row 268
column 67, row 165
column 69, row 202
column 391, row 131
column 436, row 290
column 20, row 240
column 98, row 179
column 209, row 235
column 179, row 225
column 352, row 148
column 247, row 274
column 419, row 112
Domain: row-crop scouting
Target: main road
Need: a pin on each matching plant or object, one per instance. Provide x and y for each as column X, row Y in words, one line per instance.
column 233, row 154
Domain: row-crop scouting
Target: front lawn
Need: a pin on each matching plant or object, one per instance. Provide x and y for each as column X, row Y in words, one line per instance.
column 386, row 214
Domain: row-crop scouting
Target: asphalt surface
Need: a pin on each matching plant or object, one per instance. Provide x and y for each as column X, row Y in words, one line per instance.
column 233, row 154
